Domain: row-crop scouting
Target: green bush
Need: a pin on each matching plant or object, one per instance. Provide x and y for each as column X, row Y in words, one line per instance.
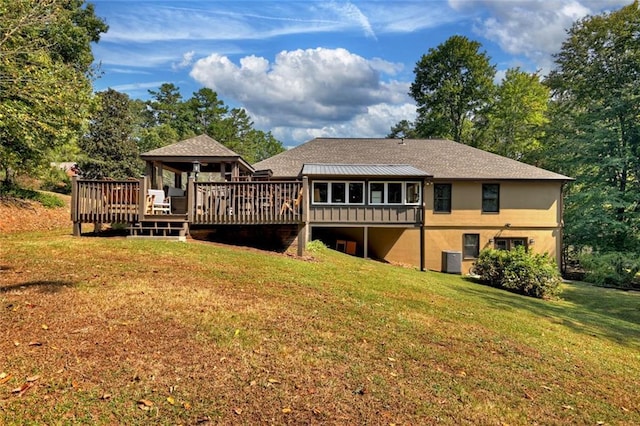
column 519, row 271
column 612, row 269
column 56, row 180
column 47, row 200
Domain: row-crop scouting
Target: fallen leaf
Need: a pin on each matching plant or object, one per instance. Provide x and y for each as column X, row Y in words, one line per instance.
column 186, row 405
column 4, row 378
column 105, row 396
column 32, row 378
column 626, row 410
column 145, row 402
column 237, row 332
column 391, row 359
column 16, row 343
column 238, row 411
column 22, row 389
column 45, row 327
column 35, row 343
column 171, row 400
column 546, row 388
column 462, row 374
column 567, row 407
column 274, row 381
column 286, row 410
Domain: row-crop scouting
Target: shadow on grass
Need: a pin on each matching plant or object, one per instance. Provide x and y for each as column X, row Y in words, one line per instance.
column 42, row 286
column 590, row 310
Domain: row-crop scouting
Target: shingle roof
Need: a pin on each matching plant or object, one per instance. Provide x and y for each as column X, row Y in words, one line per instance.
column 354, row 170
column 444, row 159
column 199, row 146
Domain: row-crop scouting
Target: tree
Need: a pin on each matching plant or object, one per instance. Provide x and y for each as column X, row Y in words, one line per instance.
column 45, row 77
column 403, row 129
column 109, row 146
column 517, row 117
column 595, row 87
column 453, row 83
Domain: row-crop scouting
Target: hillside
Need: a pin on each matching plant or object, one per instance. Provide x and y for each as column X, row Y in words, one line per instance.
column 115, row 331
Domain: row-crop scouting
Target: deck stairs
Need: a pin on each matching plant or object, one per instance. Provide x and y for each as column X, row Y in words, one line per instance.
column 163, row 227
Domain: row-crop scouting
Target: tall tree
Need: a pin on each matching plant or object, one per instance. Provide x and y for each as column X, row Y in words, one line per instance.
column 596, row 88
column 453, row 83
column 403, row 129
column 517, row 117
column 45, row 77
column 109, row 147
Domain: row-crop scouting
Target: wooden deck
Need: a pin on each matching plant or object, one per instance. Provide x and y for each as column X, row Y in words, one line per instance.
column 205, row 203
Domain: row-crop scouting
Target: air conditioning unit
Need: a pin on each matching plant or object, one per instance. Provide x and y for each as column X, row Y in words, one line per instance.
column 452, row 262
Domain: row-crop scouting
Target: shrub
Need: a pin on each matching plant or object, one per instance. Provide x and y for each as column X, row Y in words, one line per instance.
column 612, row 269
column 56, row 180
column 519, row 271
column 47, row 200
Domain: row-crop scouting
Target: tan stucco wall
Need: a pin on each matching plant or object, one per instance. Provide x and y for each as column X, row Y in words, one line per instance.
column 521, row 203
column 395, row 245
column 439, row 240
column 532, row 211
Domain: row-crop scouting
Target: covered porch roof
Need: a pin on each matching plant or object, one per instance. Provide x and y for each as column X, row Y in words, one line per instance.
column 202, row 149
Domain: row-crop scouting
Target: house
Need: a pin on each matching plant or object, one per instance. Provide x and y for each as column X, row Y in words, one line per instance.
column 433, row 204
column 429, row 203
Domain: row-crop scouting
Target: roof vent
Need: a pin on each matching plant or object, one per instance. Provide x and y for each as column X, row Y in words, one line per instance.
column 401, row 142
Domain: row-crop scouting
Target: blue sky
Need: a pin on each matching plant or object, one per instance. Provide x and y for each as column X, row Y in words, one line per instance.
column 305, row 69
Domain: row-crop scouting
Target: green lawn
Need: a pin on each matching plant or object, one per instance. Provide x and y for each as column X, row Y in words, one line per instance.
column 117, row 331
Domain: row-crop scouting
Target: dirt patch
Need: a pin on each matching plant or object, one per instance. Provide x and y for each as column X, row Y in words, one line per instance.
column 25, row 215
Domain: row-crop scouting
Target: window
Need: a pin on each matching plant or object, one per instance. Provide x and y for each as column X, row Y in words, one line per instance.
column 470, row 246
column 413, row 193
column 510, row 243
column 338, row 192
column 442, row 197
column 320, row 192
column 376, row 193
column 490, row 198
column 356, row 192
column 394, row 192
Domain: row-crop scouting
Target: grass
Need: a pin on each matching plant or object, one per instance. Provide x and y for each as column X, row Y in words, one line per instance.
column 207, row 333
column 17, row 193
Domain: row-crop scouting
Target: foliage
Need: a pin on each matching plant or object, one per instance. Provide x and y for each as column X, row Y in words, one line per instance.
column 453, row 83
column 45, row 69
column 316, row 246
column 109, row 145
column 520, row 271
column 613, row 269
column 56, row 180
column 595, row 135
column 403, row 129
column 516, row 118
column 47, row 200
column 167, row 118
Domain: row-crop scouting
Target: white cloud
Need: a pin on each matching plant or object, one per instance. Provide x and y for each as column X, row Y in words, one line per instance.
column 302, row 87
column 351, row 13
column 534, row 29
column 313, row 92
column 187, row 60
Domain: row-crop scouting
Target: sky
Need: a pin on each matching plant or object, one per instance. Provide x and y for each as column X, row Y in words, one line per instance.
column 305, row 69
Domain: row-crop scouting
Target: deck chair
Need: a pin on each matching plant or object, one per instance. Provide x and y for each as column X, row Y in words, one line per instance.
column 159, row 204
column 287, row 207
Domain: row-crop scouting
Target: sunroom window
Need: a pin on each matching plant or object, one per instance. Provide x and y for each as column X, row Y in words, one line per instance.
column 338, row 192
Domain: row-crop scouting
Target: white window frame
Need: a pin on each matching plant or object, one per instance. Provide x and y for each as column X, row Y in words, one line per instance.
column 346, row 192
column 385, row 201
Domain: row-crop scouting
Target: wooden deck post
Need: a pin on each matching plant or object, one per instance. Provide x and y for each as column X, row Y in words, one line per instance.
column 142, row 200
column 77, row 226
column 303, row 231
column 191, row 198
column 423, row 211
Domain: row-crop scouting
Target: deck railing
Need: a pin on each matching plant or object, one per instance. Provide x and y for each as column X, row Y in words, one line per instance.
column 245, row 202
column 105, row 201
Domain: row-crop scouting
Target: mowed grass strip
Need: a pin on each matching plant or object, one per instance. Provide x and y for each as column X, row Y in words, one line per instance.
column 116, row 331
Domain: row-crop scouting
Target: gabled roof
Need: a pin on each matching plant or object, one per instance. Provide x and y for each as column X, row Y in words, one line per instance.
column 443, row 159
column 362, row 170
column 199, row 148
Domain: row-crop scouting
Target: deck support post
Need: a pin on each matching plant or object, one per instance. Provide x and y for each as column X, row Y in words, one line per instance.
column 365, row 242
column 423, row 219
column 77, row 229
